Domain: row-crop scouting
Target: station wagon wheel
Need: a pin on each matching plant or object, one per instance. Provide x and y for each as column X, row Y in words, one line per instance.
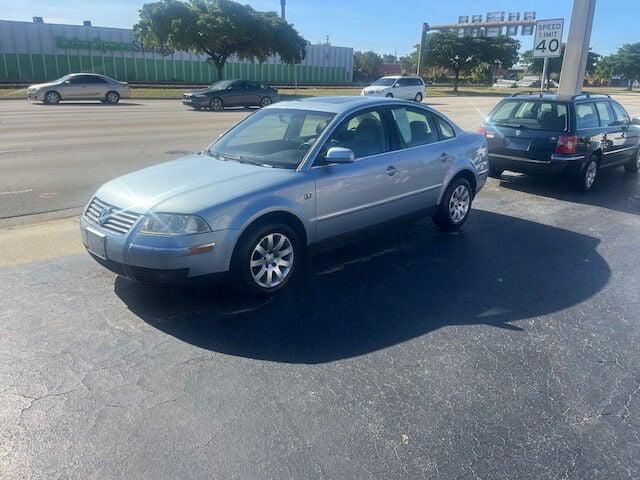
column 51, row 97
column 588, row 176
column 112, row 97
column 266, row 258
column 265, row 102
column 389, row 95
column 418, row 97
column 634, row 165
column 215, row 104
column 455, row 205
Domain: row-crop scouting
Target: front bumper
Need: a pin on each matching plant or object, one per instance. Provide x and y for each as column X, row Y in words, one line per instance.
column 196, row 101
column 37, row 96
column 143, row 257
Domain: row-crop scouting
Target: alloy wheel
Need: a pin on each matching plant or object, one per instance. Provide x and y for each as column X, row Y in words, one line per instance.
column 266, row 101
column 590, row 174
column 419, row 97
column 271, row 260
column 52, row 97
column 459, row 204
column 112, row 97
column 216, row 104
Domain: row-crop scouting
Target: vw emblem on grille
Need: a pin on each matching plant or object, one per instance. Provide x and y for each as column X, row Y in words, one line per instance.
column 104, row 215
column 518, row 133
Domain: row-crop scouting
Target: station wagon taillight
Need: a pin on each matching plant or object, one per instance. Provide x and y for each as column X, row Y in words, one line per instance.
column 567, row 144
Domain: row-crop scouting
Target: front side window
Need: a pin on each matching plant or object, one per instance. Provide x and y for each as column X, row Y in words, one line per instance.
column 363, row 133
column 416, row 127
column 586, row 115
column 622, row 118
column 78, row 79
column 272, row 138
column 533, row 114
column 236, row 86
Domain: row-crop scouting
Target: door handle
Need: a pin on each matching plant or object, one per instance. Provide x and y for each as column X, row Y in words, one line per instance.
column 391, row 171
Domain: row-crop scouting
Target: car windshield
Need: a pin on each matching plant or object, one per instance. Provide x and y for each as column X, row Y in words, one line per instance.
column 384, row 82
column 221, row 85
column 533, row 114
column 272, row 137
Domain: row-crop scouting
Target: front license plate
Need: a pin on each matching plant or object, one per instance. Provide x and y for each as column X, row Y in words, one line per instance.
column 96, row 243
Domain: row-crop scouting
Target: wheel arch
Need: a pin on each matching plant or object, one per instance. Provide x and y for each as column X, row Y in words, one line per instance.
column 465, row 173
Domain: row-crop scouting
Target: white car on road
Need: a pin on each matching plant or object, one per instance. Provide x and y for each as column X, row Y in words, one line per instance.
column 408, row 88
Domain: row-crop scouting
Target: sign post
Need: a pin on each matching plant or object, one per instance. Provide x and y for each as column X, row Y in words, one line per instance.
column 547, row 43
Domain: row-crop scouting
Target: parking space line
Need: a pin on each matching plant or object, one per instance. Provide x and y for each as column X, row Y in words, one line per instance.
column 17, row 192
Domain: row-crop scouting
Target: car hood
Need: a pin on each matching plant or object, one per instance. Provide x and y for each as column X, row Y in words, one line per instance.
column 376, row 88
column 191, row 184
column 41, row 85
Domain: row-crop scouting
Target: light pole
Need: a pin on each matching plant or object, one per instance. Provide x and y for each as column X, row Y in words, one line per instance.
column 425, row 29
column 576, row 52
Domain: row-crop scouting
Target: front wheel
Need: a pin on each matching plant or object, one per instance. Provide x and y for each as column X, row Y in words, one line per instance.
column 634, row 165
column 112, row 97
column 265, row 102
column 418, row 97
column 266, row 258
column 455, row 206
column 215, row 104
column 52, row 97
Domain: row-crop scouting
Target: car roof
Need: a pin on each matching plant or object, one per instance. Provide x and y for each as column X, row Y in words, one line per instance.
column 554, row 97
column 333, row 104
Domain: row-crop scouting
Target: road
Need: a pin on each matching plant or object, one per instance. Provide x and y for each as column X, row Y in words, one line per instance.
column 508, row 350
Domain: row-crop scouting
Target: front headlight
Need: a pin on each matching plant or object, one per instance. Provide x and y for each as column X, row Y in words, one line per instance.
column 200, row 96
column 174, row 224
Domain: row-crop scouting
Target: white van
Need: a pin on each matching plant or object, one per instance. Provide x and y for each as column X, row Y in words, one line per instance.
column 408, row 88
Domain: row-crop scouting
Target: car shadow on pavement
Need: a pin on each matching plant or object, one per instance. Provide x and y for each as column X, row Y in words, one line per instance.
column 387, row 289
column 615, row 189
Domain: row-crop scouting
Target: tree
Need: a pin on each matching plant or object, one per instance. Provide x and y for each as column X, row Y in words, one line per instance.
column 626, row 63
column 219, row 29
column 605, row 69
column 535, row 65
column 464, row 54
column 388, row 58
column 366, row 65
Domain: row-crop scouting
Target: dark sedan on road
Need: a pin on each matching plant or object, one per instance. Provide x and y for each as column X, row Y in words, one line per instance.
column 231, row 93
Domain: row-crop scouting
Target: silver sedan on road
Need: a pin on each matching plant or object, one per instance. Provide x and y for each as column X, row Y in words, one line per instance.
column 288, row 177
column 80, row 86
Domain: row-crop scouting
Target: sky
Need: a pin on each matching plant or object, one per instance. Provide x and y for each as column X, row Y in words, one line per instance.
column 385, row 26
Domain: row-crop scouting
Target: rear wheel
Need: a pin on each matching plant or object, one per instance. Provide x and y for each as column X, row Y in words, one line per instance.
column 634, row 165
column 51, row 97
column 215, row 104
column 455, row 206
column 265, row 102
column 266, row 258
column 389, row 95
column 418, row 97
column 112, row 97
column 588, row 176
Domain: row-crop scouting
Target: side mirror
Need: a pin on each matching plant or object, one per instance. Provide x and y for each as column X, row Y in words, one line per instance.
column 635, row 121
column 395, row 85
column 340, row 155
column 67, row 82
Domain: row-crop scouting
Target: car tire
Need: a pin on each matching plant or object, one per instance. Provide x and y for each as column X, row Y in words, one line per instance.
column 588, row 176
column 389, row 95
column 51, row 97
column 112, row 97
column 634, row 165
column 215, row 104
column 264, row 253
column 265, row 102
column 418, row 97
column 495, row 172
column 455, row 205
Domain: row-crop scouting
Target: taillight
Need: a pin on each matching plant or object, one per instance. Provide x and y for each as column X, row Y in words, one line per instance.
column 567, row 144
column 486, row 133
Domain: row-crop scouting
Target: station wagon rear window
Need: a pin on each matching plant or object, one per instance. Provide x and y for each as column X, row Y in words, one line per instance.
column 533, row 114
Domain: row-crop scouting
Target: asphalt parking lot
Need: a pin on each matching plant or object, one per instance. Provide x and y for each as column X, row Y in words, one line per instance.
column 506, row 351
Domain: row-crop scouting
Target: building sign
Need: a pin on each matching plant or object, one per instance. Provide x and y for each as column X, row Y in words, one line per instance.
column 548, row 38
column 493, row 17
column 100, row 45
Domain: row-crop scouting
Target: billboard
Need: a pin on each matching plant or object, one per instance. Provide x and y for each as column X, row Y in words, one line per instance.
column 463, row 19
column 529, row 15
column 493, row 17
column 476, row 18
column 514, row 16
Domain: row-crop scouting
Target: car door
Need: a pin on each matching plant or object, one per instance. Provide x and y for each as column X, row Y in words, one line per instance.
column 421, row 156
column 253, row 93
column 403, row 89
column 352, row 196
column 589, row 129
column 73, row 87
column 628, row 137
column 94, row 87
column 236, row 94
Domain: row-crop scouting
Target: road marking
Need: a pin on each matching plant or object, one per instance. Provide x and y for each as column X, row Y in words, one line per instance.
column 47, row 195
column 17, row 150
column 16, row 192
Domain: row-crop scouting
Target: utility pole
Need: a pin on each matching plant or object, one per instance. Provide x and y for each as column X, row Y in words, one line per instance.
column 423, row 37
column 283, row 9
column 576, row 52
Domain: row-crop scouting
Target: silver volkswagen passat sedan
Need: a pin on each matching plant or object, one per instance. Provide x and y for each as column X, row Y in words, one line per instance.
column 80, row 86
column 288, row 177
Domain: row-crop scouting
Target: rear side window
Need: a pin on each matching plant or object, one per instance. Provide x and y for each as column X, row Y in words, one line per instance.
column 446, row 130
column 533, row 114
column 586, row 115
column 416, row 127
column 621, row 115
column 605, row 113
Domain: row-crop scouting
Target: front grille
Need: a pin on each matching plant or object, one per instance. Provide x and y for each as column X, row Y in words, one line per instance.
column 115, row 220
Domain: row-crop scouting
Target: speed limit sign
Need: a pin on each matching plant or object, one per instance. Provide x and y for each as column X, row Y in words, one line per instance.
column 548, row 38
